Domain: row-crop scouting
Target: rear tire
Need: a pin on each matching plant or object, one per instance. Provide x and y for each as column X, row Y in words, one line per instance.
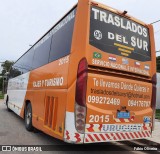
column 28, row 117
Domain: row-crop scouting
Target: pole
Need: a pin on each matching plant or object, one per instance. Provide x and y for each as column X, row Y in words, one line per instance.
column 3, row 87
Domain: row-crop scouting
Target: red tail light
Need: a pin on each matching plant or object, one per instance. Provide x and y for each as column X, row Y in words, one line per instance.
column 81, row 83
column 80, row 105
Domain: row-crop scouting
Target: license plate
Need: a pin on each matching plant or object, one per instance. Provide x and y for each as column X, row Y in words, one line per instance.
column 124, row 115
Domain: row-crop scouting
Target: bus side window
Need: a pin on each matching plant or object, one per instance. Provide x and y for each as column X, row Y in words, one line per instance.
column 41, row 54
column 27, row 61
column 15, row 71
column 61, row 41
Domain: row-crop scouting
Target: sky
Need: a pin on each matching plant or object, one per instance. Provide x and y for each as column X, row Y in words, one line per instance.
column 23, row 22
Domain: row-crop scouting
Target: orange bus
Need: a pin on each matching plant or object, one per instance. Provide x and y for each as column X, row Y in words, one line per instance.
column 90, row 78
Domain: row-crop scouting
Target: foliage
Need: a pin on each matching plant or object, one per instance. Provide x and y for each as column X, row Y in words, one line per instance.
column 158, row 64
column 6, row 66
column 158, row 114
column 1, row 83
column 1, row 95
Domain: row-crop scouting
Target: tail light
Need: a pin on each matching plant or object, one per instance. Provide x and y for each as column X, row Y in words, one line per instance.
column 81, row 86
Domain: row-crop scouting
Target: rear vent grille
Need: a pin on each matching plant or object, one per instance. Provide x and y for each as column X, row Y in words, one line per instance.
column 51, row 106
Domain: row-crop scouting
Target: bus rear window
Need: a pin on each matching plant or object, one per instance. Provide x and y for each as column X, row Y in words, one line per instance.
column 117, row 35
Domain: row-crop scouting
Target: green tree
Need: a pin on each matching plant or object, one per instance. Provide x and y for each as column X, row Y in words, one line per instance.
column 6, row 66
column 158, row 64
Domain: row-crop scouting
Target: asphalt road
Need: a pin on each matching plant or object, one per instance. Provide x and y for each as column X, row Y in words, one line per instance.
column 13, row 132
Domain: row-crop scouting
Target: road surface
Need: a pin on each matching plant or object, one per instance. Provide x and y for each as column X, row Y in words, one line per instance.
column 13, row 132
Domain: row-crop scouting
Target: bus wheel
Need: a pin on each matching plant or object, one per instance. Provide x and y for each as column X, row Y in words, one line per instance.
column 28, row 117
column 8, row 109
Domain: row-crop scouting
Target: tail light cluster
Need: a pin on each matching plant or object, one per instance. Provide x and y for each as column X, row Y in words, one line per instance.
column 80, row 118
column 80, row 105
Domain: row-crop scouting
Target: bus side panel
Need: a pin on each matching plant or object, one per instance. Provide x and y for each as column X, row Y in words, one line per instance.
column 47, row 93
column 16, row 97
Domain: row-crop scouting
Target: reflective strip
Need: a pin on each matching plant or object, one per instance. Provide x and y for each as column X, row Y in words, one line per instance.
column 144, row 134
column 119, row 137
column 136, row 135
column 108, row 137
column 105, row 137
column 93, row 127
column 148, row 133
column 131, row 119
column 127, row 136
column 90, row 137
column 140, row 134
column 98, row 138
column 67, row 134
column 132, row 135
column 123, row 120
column 123, row 136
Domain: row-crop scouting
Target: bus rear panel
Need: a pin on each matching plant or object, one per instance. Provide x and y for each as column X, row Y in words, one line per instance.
column 115, row 80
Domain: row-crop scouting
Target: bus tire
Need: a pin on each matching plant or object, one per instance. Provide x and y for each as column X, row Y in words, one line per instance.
column 8, row 109
column 28, row 117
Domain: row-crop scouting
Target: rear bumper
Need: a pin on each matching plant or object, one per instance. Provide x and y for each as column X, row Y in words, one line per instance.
column 120, row 136
column 106, row 137
column 94, row 132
